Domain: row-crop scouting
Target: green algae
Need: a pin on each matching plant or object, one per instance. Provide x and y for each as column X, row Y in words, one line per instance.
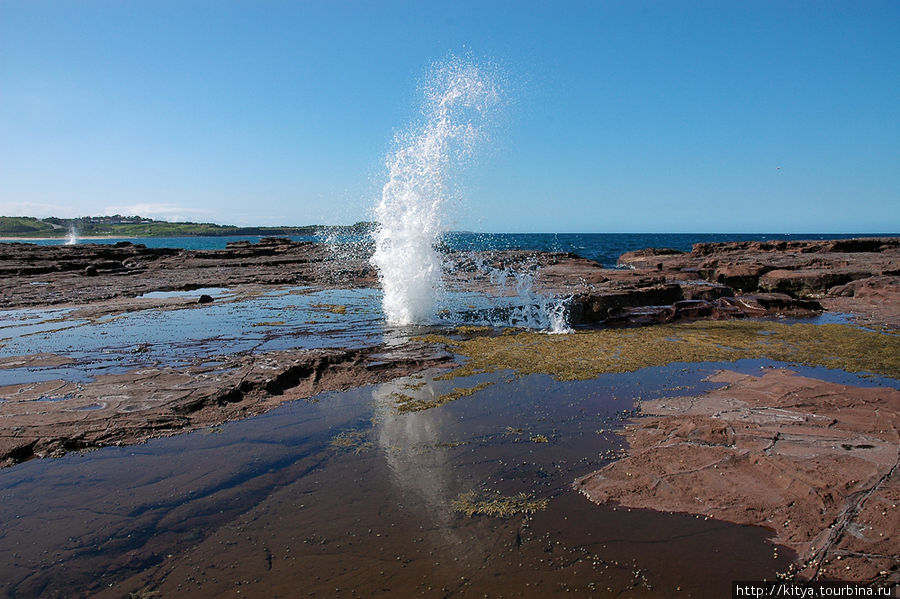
column 468, row 329
column 473, row 503
column 333, row 308
column 268, row 323
column 353, row 440
column 587, row 354
column 411, row 403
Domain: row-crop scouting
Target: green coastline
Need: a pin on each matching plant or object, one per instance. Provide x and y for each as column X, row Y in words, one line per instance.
column 27, row 227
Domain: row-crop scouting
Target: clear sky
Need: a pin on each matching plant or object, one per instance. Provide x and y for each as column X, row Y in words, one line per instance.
column 625, row 116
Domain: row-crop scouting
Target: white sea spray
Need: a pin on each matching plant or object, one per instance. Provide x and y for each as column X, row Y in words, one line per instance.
column 460, row 100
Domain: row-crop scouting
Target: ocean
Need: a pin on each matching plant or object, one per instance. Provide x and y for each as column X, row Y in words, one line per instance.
column 604, row 248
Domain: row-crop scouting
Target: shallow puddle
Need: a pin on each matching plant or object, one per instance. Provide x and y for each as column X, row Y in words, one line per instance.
column 189, row 333
column 180, row 335
column 347, row 495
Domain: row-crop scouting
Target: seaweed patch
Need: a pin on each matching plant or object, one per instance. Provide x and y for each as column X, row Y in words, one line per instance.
column 410, row 403
column 354, row 440
column 587, row 354
column 333, row 308
column 472, row 503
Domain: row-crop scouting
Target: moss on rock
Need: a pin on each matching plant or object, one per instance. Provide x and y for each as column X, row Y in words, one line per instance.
column 587, row 354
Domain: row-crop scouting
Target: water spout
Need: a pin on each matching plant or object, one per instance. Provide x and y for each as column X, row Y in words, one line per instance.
column 458, row 97
column 459, row 100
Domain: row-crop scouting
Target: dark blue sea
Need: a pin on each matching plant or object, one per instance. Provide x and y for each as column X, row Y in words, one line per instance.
column 605, row 248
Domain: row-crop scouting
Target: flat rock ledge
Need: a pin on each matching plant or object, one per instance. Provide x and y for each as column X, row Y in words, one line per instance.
column 712, row 281
column 132, row 407
column 815, row 462
column 655, row 285
column 35, row 275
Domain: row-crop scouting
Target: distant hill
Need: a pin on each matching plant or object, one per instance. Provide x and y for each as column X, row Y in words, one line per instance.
column 137, row 226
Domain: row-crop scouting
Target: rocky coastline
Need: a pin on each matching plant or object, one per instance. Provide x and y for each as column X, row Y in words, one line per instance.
column 720, row 280
column 860, row 277
column 762, row 449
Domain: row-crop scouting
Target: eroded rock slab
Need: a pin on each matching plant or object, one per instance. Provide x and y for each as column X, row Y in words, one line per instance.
column 33, row 275
column 50, row 418
column 814, row 461
column 859, row 276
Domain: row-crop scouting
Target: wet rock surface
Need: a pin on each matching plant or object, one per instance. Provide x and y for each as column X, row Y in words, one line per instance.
column 740, row 279
column 718, row 280
column 814, row 461
column 343, row 491
column 33, row 275
column 50, row 418
column 713, row 281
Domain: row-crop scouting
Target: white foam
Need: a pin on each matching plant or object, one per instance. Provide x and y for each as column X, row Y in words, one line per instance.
column 513, row 302
column 459, row 99
column 411, row 214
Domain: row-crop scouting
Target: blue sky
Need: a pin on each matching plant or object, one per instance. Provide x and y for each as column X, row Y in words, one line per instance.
column 620, row 116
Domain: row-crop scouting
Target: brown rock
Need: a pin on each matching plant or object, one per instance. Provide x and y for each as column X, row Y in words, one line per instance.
column 807, row 282
column 701, row 290
column 816, row 462
column 129, row 270
column 149, row 402
column 599, row 306
column 800, row 269
column 875, row 300
column 693, row 308
column 743, row 277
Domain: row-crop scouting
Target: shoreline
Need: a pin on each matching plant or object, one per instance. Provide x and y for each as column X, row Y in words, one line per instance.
column 77, row 239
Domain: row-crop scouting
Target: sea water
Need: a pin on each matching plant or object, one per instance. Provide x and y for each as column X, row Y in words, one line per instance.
column 604, row 248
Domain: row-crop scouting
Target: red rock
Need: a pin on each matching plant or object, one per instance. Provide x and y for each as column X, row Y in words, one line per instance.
column 807, row 282
column 744, row 277
column 814, row 461
column 693, row 308
column 701, row 290
column 593, row 307
column 134, row 406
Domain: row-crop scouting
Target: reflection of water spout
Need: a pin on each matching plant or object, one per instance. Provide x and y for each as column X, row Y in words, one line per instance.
column 411, row 442
column 72, row 237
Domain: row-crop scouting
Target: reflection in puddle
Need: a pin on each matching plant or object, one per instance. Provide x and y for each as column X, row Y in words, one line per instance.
column 346, row 492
